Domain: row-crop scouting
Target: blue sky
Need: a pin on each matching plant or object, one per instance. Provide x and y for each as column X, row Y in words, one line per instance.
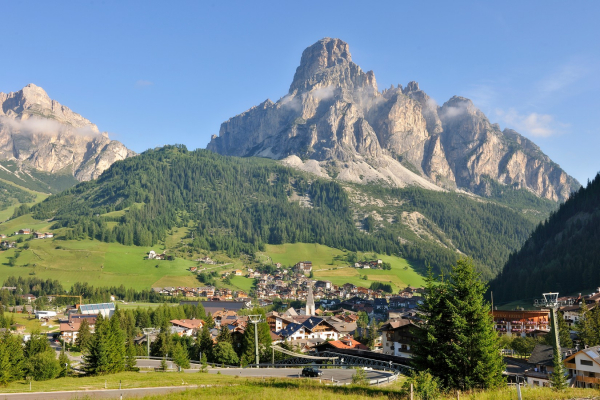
column 154, row 73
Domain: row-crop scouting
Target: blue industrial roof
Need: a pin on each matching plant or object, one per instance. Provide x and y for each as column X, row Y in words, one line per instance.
column 96, row 308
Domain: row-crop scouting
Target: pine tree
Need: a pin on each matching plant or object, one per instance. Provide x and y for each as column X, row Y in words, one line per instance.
column 180, row 357
column 588, row 326
column 84, row 336
column 115, row 339
column 372, row 335
column 205, row 344
column 430, row 332
column 224, row 335
column 130, row 360
column 5, row 366
column 96, row 359
column 210, row 322
column 65, row 365
column 204, row 363
column 164, row 342
column 557, row 378
column 458, row 343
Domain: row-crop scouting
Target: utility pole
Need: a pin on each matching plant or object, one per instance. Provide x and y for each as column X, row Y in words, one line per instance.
column 255, row 319
column 551, row 301
column 147, row 332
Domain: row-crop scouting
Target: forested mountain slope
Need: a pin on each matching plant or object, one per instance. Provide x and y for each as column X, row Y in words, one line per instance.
column 562, row 254
column 240, row 204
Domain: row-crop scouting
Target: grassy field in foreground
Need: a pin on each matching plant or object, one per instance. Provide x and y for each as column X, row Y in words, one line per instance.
column 99, row 263
column 305, row 389
column 127, row 379
column 330, row 264
column 234, row 387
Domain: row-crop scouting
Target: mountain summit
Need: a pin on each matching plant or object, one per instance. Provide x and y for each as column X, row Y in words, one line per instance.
column 38, row 133
column 334, row 122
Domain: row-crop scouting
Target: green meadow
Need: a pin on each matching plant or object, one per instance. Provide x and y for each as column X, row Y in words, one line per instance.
column 95, row 262
column 330, row 264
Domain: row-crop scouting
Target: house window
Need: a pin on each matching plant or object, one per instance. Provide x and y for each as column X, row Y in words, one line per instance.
column 586, row 362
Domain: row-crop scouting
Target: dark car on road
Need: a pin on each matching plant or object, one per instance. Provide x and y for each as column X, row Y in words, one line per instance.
column 311, row 371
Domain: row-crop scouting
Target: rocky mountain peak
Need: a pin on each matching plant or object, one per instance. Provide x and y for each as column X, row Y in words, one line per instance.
column 411, row 87
column 328, row 62
column 40, row 133
column 334, row 122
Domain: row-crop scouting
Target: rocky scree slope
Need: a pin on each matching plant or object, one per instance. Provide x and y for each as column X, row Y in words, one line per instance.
column 334, row 122
column 38, row 133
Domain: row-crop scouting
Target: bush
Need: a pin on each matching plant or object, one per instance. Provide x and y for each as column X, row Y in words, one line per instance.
column 360, row 377
column 425, row 386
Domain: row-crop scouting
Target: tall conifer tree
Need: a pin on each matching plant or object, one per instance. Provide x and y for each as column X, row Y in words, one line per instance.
column 457, row 342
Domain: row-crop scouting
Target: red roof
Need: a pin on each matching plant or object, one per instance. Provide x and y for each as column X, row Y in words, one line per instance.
column 188, row 323
column 349, row 344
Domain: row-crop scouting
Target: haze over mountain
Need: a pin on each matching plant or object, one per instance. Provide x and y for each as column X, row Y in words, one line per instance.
column 40, row 134
column 335, row 122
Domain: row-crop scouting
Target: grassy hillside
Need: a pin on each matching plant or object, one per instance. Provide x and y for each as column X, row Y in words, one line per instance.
column 240, row 205
column 330, row 264
column 100, row 264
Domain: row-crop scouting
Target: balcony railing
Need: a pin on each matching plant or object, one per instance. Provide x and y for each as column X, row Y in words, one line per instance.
column 587, row 379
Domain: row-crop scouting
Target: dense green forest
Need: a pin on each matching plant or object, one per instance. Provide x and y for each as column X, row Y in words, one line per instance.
column 238, row 205
column 562, row 254
column 483, row 230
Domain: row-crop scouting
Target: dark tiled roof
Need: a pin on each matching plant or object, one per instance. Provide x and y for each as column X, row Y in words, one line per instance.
column 541, row 354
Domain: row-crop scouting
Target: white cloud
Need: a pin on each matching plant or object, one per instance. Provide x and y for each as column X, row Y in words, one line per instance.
column 142, row 83
column 45, row 126
column 324, row 93
column 533, row 124
column 449, row 112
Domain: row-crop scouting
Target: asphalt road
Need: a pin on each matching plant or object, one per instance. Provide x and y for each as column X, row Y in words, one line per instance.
column 338, row 375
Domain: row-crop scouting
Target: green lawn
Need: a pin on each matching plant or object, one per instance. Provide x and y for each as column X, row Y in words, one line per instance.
column 127, row 379
column 291, row 253
column 99, row 263
column 329, row 264
column 242, row 282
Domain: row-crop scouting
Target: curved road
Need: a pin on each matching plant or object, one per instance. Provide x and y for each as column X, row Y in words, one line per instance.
column 339, row 376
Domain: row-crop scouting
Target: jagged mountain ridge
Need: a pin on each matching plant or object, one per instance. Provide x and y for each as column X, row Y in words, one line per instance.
column 40, row 134
column 335, row 122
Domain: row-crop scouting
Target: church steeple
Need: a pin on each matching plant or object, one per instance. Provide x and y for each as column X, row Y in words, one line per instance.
column 310, row 302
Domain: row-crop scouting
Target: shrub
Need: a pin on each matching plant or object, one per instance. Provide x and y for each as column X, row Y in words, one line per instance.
column 425, row 386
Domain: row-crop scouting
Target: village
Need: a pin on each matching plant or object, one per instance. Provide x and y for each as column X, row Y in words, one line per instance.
column 357, row 322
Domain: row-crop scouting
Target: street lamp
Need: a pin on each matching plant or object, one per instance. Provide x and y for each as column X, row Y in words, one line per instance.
column 255, row 319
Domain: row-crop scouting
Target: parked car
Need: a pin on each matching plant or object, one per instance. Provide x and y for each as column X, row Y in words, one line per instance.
column 311, row 371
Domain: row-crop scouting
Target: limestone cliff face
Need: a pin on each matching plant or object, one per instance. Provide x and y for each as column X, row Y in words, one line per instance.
column 335, row 115
column 42, row 134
